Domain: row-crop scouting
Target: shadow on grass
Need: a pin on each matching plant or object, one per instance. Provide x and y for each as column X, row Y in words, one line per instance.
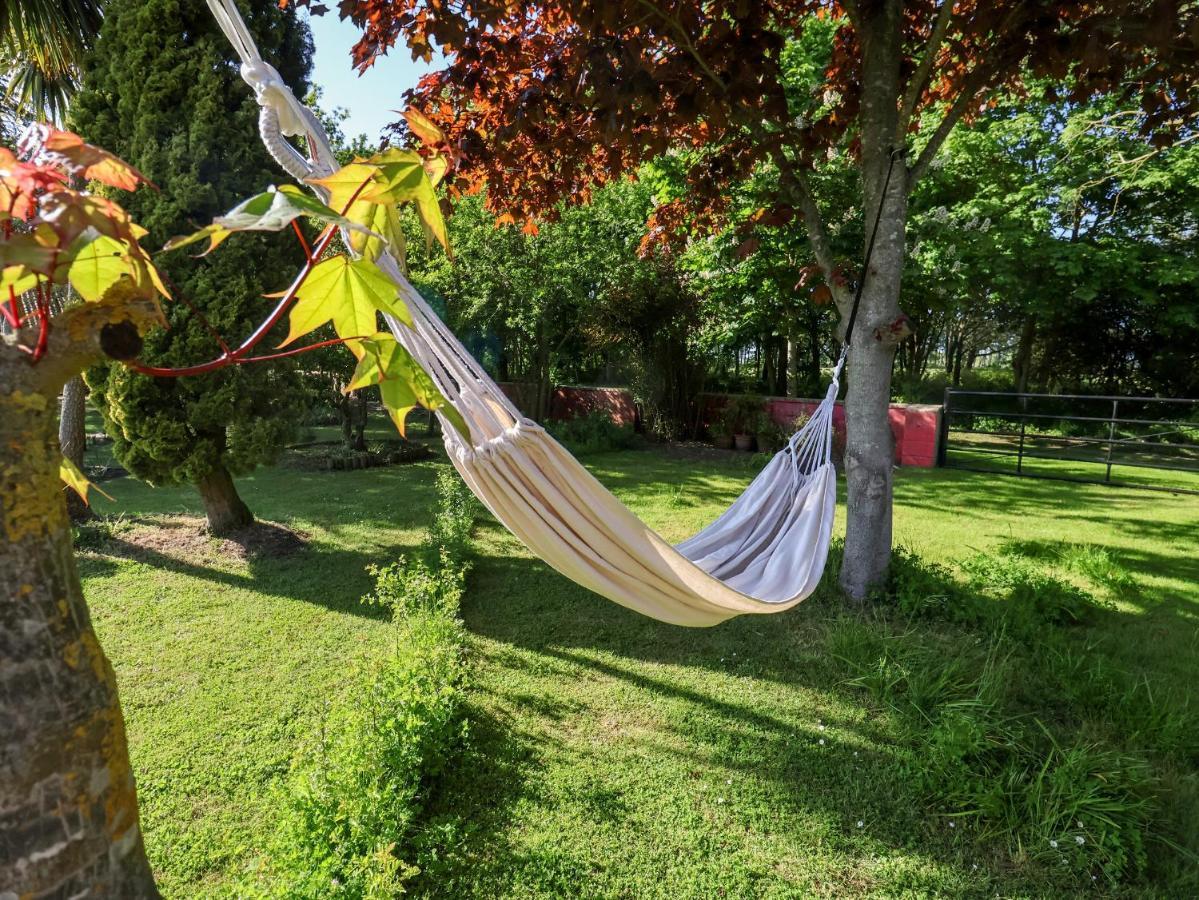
column 299, row 573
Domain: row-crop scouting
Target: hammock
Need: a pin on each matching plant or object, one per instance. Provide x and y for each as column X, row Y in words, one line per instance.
column 765, row 554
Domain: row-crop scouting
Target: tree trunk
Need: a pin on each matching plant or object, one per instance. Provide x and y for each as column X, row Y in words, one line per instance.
column 1022, row 362
column 869, row 450
column 794, row 365
column 224, row 508
column 359, row 408
column 68, row 802
column 72, row 438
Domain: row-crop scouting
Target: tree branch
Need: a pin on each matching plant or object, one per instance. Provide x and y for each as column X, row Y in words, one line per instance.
column 971, row 94
column 920, row 76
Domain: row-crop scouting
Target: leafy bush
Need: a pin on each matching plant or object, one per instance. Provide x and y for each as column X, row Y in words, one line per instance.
column 353, row 803
column 351, row 823
column 592, row 433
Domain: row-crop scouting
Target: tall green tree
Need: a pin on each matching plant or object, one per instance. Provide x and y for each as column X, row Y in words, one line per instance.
column 163, row 91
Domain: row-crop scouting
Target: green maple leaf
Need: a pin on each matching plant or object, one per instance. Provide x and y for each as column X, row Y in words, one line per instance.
column 386, row 179
column 382, row 231
column 272, row 210
column 348, row 292
column 403, row 384
column 93, row 266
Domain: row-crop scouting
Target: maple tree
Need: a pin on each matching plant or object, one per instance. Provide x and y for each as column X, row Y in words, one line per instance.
column 543, row 101
column 66, row 759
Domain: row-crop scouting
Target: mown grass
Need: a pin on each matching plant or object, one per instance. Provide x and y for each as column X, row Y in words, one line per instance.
column 615, row 756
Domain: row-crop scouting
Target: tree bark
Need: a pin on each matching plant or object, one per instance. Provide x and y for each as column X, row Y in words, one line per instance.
column 223, row 506
column 68, row 803
column 794, row 365
column 1022, row 362
column 869, row 450
column 72, row 438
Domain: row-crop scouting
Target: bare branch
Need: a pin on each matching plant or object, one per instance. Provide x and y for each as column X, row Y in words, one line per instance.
column 684, row 40
column 920, row 77
column 795, row 180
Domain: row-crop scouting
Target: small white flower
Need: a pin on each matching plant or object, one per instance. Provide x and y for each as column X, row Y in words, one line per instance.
column 860, row 823
column 1094, row 878
column 1080, row 840
column 953, row 824
column 821, row 742
column 855, row 753
column 1053, row 844
column 728, row 781
column 1080, row 825
column 720, row 799
column 822, row 726
column 974, row 866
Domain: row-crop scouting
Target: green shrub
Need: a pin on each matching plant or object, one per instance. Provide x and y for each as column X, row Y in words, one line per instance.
column 352, row 806
column 352, row 821
column 592, row 433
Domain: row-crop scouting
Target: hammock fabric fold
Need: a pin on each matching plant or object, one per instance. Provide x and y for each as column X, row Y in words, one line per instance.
column 765, row 554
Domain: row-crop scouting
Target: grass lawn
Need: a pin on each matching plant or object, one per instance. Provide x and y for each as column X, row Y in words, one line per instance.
column 611, row 755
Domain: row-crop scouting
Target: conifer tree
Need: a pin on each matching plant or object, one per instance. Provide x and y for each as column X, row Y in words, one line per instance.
column 162, row 90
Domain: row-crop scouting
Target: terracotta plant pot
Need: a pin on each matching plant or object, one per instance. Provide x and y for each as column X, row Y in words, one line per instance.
column 723, row 442
column 743, row 441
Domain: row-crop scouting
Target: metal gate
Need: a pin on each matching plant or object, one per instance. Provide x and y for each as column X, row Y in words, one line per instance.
column 1150, row 442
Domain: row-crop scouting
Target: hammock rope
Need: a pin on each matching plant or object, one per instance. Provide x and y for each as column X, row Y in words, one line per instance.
column 764, row 554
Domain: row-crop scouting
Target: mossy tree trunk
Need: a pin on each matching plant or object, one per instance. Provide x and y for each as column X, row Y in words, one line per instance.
column 68, row 803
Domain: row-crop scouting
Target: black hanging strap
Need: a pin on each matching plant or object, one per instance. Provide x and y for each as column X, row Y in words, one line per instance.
column 897, row 153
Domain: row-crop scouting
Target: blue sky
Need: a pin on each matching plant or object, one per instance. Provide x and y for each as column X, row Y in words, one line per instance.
column 370, row 98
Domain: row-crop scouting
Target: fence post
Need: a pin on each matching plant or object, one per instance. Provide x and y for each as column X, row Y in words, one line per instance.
column 1023, row 425
column 943, row 434
column 1111, row 437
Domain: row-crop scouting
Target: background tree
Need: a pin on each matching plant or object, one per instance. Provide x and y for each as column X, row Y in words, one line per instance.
column 162, row 91
column 571, row 302
column 543, row 101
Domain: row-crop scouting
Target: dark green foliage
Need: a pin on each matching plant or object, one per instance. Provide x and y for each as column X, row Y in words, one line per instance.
column 352, row 820
column 163, row 91
column 592, row 433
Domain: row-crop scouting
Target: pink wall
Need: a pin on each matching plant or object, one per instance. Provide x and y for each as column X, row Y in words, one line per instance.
column 569, row 402
column 914, row 426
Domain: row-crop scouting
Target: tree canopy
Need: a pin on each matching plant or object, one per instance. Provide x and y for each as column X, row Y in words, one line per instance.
column 162, row 91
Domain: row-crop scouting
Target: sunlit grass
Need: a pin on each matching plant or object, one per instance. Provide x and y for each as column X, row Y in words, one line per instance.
column 612, row 755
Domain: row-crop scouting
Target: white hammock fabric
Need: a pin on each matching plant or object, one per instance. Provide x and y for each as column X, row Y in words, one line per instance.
column 765, row 554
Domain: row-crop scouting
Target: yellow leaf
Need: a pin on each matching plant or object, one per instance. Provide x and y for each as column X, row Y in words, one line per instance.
column 96, row 265
column 403, row 384
column 381, row 229
column 346, row 183
column 18, row 278
column 215, row 234
column 76, row 480
column 436, row 166
column 423, row 127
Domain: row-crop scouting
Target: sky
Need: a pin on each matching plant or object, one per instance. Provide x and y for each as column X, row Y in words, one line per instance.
column 370, row 98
